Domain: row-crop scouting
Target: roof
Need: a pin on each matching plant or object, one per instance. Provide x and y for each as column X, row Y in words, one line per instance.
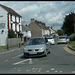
column 41, row 24
column 11, row 11
column 25, row 27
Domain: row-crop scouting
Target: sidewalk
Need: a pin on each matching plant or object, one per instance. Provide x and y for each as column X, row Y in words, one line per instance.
column 12, row 48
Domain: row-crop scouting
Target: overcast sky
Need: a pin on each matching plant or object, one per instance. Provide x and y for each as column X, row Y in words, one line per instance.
column 52, row 13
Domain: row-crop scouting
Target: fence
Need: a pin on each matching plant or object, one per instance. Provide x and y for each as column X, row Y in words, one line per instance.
column 12, row 42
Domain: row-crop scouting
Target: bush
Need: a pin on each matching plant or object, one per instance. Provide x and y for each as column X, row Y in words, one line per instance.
column 72, row 37
column 60, row 32
column 11, row 34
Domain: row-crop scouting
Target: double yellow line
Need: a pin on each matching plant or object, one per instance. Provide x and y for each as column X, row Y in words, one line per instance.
column 69, row 51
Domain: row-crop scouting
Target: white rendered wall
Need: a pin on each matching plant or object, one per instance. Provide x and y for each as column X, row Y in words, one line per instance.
column 27, row 34
column 3, row 27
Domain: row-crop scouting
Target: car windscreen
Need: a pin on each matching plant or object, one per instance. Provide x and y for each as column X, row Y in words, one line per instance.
column 36, row 41
column 62, row 37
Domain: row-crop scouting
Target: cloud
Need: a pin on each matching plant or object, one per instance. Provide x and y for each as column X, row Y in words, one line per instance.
column 50, row 12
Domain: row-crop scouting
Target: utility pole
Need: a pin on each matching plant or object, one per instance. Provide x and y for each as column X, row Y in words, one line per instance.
column 74, row 21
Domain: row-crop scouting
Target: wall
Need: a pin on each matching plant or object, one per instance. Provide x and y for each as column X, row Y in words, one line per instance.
column 26, row 33
column 12, row 42
column 3, row 27
column 36, row 31
column 12, row 20
column 43, row 32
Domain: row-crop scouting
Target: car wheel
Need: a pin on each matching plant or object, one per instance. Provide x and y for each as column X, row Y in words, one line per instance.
column 49, row 52
column 57, row 43
column 46, row 53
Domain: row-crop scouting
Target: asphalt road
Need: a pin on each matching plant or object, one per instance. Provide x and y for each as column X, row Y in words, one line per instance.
column 59, row 61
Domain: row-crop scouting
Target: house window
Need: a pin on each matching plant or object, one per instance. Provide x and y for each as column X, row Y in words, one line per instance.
column 19, row 19
column 15, row 27
column 15, row 18
column 11, row 25
column 11, row 17
column 19, row 28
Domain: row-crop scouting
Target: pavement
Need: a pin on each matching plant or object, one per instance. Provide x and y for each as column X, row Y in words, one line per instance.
column 11, row 49
column 70, row 47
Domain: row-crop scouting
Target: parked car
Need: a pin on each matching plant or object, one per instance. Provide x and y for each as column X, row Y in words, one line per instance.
column 51, row 40
column 37, row 46
column 63, row 39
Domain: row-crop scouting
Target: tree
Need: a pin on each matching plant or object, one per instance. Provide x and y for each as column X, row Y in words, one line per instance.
column 11, row 34
column 68, row 24
column 60, row 32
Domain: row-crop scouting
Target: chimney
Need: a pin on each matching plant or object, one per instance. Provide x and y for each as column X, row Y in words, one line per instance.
column 51, row 27
column 32, row 20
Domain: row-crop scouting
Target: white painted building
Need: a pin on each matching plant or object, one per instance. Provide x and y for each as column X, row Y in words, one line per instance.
column 9, row 19
column 26, row 32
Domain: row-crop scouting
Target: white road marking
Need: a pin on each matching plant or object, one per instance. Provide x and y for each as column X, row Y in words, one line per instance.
column 17, row 56
column 60, row 71
column 5, row 60
column 56, row 71
column 28, row 70
column 30, row 61
column 47, row 71
column 18, row 70
column 34, row 69
column 14, row 68
column 73, row 71
column 39, row 70
column 52, row 69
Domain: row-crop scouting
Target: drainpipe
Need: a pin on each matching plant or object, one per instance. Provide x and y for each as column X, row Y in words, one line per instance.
column 8, row 29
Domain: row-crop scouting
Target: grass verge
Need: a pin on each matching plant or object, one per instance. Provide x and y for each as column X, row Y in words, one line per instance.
column 3, row 47
column 72, row 43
